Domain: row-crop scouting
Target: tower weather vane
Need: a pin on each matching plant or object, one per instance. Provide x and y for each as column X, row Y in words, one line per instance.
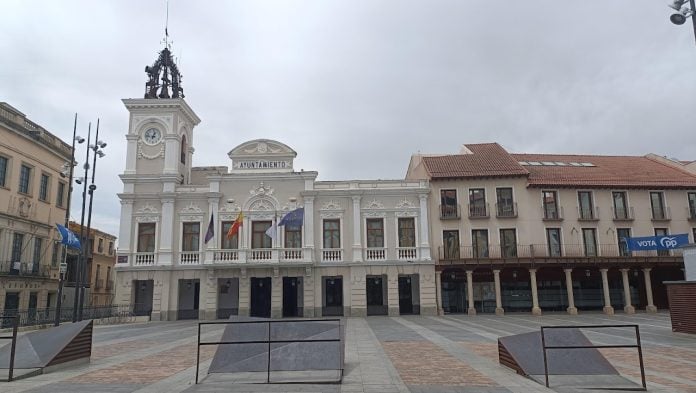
column 163, row 74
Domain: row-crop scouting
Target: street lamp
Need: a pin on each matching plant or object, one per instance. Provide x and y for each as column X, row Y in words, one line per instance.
column 96, row 148
column 683, row 12
column 83, row 243
column 67, row 172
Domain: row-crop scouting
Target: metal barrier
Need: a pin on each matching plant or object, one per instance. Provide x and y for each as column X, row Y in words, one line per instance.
column 267, row 341
column 13, row 337
column 47, row 316
column 636, row 345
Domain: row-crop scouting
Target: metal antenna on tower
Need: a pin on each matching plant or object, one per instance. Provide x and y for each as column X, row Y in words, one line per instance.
column 165, row 41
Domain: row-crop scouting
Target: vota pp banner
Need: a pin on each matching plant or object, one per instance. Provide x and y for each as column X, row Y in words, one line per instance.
column 667, row 242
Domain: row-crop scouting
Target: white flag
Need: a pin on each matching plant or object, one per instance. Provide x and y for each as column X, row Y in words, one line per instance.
column 272, row 231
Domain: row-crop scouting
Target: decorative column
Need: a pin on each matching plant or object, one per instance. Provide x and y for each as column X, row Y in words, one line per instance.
column 165, row 252
column 308, row 297
column 276, row 294
column 536, row 310
column 628, row 308
column 650, row 308
column 125, row 230
column 244, row 293
column 470, row 291
column 608, row 309
column 572, row 310
column 424, row 233
column 308, row 228
column 438, row 292
column 498, row 298
column 357, row 246
column 131, row 153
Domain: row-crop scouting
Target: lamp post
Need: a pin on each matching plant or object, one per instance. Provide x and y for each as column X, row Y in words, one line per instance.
column 96, row 148
column 83, row 243
column 71, row 166
column 683, row 12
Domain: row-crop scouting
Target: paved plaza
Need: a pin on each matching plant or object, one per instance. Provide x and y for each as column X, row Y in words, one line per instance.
column 454, row 353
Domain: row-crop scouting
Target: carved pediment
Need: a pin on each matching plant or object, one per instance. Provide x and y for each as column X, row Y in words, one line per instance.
column 191, row 208
column 262, row 189
column 262, row 147
column 331, row 205
column 147, row 209
column 405, row 204
column 374, row 204
column 262, row 155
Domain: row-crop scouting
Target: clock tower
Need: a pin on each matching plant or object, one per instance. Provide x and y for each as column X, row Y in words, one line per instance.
column 160, row 130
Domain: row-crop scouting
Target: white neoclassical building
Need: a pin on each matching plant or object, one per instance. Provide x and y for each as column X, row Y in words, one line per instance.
column 362, row 249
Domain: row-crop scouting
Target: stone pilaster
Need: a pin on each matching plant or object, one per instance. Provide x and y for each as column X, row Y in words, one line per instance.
column 357, row 224
column 393, row 292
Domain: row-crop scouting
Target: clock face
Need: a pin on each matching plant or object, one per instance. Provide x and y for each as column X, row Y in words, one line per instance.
column 152, row 136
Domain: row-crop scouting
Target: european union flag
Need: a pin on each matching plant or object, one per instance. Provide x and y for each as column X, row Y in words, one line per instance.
column 294, row 218
column 68, row 237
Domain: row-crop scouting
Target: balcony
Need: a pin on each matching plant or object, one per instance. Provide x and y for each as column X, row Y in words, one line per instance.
column 691, row 213
column 449, row 212
column 331, row 255
column 226, row 256
column 144, row 258
column 513, row 253
column 407, row 253
column 506, row 210
column 189, row 257
column 588, row 214
column 24, row 269
column 661, row 214
column 554, row 213
column 479, row 210
column 260, row 255
column 622, row 214
column 290, row 254
column 375, row 254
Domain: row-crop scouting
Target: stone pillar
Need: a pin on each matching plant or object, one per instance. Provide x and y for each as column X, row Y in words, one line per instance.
column 126, row 229
column 438, row 291
column 572, row 310
column 358, row 292
column 608, row 309
column 244, row 294
column 628, row 307
column 276, row 294
column 393, row 292
column 309, row 296
column 650, row 308
column 498, row 297
column 536, row 310
column 470, row 291
column 131, row 153
column 209, row 302
column 424, row 233
column 160, row 297
column 357, row 225
column 165, row 253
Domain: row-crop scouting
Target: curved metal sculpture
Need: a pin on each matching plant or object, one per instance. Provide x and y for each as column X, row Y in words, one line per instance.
column 163, row 75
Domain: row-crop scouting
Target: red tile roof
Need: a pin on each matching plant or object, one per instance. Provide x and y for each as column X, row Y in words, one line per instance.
column 487, row 160
column 608, row 171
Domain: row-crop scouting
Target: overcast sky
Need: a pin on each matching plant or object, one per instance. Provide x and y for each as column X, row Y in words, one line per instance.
column 357, row 86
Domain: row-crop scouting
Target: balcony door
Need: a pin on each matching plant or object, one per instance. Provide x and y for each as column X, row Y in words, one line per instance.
column 259, row 239
column 620, row 205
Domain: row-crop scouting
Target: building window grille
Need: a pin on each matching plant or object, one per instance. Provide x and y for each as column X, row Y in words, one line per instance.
column 477, row 202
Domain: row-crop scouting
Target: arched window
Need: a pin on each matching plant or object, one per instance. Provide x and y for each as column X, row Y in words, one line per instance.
column 183, row 149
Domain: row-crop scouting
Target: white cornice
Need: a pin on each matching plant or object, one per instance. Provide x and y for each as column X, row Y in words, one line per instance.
column 173, row 103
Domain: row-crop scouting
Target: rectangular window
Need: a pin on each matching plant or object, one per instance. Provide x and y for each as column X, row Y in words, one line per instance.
column 3, row 171
column 231, row 243
column 259, row 239
column 477, row 202
column 550, row 203
column 98, row 272
column 100, row 247
column 620, row 205
column 657, row 204
column 504, row 204
column 692, row 204
column 146, row 237
column 111, row 248
column 375, row 232
column 17, row 242
column 585, row 205
column 293, row 236
column 24, row 179
column 553, row 238
column 36, row 262
column 448, row 204
column 55, row 255
column 623, row 234
column 43, row 187
column 662, row 232
column 479, row 243
column 191, row 236
column 508, row 243
column 450, row 244
column 60, row 194
column 332, row 233
column 407, row 232
column 589, row 238
column 108, row 273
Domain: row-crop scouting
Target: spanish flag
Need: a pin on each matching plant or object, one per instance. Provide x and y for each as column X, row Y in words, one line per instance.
column 234, row 229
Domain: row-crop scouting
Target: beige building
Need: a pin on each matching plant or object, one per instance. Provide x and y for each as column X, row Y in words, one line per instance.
column 533, row 232
column 101, row 260
column 361, row 248
column 33, row 198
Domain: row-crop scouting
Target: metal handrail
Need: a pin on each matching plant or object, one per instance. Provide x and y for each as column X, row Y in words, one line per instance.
column 636, row 345
column 267, row 341
column 13, row 337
